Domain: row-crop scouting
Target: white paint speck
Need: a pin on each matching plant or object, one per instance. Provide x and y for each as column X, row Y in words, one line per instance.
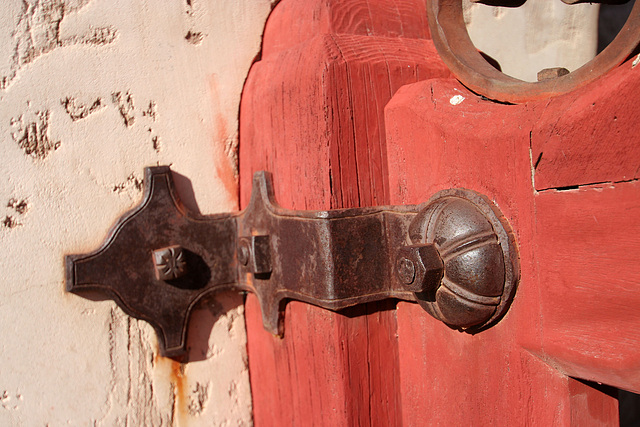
column 635, row 62
column 456, row 100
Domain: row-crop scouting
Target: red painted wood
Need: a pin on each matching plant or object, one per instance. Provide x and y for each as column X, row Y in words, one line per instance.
column 592, row 404
column 294, row 22
column 587, row 249
column 590, row 138
column 482, row 146
column 312, row 113
column 575, row 311
column 325, row 106
column 326, row 111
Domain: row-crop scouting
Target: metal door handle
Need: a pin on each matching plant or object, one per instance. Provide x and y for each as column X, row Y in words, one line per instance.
column 454, row 255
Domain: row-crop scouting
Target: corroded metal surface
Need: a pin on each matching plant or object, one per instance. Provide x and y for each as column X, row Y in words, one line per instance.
column 456, row 49
column 454, row 255
column 479, row 256
column 170, row 263
column 125, row 270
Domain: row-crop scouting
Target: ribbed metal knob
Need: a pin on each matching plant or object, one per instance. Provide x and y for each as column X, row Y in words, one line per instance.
column 478, row 251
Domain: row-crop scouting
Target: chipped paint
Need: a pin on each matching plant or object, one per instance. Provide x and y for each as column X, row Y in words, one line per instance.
column 194, row 37
column 151, row 111
column 77, row 110
column 198, row 398
column 38, row 33
column 32, row 135
column 456, row 100
column 194, row 13
column 124, row 103
column 157, row 143
column 131, row 183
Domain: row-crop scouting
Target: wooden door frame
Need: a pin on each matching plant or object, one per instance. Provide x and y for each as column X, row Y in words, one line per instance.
column 349, row 106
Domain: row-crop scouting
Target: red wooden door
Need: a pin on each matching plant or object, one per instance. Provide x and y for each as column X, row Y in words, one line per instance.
column 350, row 105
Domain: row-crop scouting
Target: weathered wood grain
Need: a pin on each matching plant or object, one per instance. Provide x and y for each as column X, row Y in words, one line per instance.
column 439, row 135
column 293, row 22
column 587, row 244
column 589, row 136
column 326, row 111
column 312, row 113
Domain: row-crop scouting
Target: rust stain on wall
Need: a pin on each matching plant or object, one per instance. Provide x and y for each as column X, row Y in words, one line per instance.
column 225, row 166
column 226, row 172
column 175, row 374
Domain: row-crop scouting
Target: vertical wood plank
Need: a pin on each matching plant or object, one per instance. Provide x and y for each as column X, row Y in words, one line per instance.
column 587, row 243
column 312, row 113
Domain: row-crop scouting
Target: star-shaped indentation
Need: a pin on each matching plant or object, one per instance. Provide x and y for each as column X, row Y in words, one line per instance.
column 170, row 263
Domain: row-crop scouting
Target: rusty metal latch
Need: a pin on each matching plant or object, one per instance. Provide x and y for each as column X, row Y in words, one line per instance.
column 454, row 255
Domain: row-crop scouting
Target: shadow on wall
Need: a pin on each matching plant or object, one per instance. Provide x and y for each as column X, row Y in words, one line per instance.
column 610, row 21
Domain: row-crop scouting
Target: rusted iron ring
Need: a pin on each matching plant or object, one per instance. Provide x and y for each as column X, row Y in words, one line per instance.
column 456, row 49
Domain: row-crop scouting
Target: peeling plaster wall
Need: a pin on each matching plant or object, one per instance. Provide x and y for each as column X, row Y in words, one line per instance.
column 91, row 91
column 537, row 35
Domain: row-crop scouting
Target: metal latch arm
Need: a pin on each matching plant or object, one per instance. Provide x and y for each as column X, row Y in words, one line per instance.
column 454, row 255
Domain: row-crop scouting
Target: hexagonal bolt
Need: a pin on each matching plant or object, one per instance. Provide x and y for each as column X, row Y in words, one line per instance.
column 244, row 252
column 419, row 268
column 254, row 252
column 170, row 262
column 552, row 73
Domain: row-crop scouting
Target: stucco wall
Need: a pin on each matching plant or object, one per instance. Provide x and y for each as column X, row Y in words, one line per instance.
column 91, row 91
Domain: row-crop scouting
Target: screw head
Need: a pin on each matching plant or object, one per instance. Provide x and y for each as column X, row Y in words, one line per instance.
column 406, row 270
column 170, row 262
column 244, row 252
